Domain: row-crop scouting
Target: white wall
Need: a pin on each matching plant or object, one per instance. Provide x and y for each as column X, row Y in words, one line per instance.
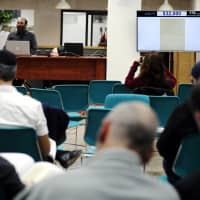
column 196, row 4
column 121, row 44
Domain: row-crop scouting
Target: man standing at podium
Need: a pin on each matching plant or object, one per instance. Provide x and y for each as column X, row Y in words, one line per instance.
column 23, row 35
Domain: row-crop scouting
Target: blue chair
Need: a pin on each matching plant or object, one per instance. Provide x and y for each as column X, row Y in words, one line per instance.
column 21, row 89
column 74, row 98
column 99, row 89
column 93, row 123
column 114, row 99
column 164, row 106
column 187, row 159
column 184, row 91
column 121, row 88
column 20, row 140
column 47, row 96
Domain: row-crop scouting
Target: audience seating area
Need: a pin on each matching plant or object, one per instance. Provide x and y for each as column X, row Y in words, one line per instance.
column 81, row 103
column 76, row 99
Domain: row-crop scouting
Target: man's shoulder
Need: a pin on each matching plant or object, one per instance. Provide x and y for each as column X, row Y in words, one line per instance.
column 30, row 33
column 159, row 188
column 25, row 99
column 182, row 109
column 12, row 34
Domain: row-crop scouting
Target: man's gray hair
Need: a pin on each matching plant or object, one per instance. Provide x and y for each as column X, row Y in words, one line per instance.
column 7, row 65
column 135, row 124
column 7, row 72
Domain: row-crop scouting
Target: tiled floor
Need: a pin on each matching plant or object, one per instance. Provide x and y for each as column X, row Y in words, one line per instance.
column 153, row 168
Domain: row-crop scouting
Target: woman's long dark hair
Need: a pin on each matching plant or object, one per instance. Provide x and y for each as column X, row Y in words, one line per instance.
column 153, row 71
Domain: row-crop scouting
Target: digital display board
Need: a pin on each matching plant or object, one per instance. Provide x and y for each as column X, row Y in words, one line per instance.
column 168, row 30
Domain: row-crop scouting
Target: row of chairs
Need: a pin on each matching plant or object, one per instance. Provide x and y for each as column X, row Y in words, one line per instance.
column 74, row 98
column 183, row 90
column 24, row 140
column 159, row 103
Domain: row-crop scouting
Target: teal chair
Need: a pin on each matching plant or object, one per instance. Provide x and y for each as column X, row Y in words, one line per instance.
column 99, row 89
column 21, row 89
column 74, row 98
column 20, row 140
column 121, row 88
column 93, row 123
column 164, row 106
column 184, row 91
column 187, row 159
column 114, row 99
column 47, row 96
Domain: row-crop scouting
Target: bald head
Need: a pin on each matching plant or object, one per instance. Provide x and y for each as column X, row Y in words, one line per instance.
column 132, row 125
column 21, row 25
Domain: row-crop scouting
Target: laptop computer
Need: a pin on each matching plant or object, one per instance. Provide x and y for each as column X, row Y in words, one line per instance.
column 18, row 47
column 73, row 49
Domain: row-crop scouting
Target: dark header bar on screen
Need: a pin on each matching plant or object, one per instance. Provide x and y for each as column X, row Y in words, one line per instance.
column 168, row 13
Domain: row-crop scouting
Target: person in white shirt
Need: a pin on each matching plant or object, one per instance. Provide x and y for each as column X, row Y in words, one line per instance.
column 22, row 110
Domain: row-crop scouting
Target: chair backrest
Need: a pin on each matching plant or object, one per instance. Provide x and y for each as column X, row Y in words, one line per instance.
column 99, row 89
column 164, row 106
column 21, row 89
column 121, row 88
column 93, row 123
column 187, row 159
column 184, row 91
column 154, row 91
column 74, row 97
column 20, row 140
column 47, row 96
column 114, row 99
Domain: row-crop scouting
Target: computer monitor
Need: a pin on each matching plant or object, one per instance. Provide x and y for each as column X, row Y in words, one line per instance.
column 168, row 31
column 18, row 47
column 73, row 49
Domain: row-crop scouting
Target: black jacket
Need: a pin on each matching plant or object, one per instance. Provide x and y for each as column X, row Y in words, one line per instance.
column 180, row 124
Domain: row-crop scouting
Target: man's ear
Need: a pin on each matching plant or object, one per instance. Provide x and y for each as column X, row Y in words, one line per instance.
column 197, row 115
column 197, row 118
column 103, row 132
column 149, row 155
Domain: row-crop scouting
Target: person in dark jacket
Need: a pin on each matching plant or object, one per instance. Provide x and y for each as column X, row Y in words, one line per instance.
column 10, row 183
column 183, row 121
column 23, row 35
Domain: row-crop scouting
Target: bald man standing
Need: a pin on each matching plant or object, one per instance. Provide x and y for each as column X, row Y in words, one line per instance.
column 125, row 144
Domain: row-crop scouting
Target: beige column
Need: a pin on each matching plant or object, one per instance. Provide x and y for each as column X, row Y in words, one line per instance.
column 121, row 44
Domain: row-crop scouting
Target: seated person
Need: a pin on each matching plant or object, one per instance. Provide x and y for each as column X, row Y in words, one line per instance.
column 10, row 183
column 152, row 74
column 183, row 121
column 125, row 144
column 22, row 110
column 16, row 175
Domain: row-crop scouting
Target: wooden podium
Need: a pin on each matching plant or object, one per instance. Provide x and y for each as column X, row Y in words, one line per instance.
column 61, row 68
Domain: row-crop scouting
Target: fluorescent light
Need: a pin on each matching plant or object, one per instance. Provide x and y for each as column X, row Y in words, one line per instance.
column 166, row 6
column 62, row 4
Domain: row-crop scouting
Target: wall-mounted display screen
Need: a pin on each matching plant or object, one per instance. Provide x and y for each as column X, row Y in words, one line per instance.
column 168, row 30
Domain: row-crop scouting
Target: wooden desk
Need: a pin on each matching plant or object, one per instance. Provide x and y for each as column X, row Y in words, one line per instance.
column 61, row 68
